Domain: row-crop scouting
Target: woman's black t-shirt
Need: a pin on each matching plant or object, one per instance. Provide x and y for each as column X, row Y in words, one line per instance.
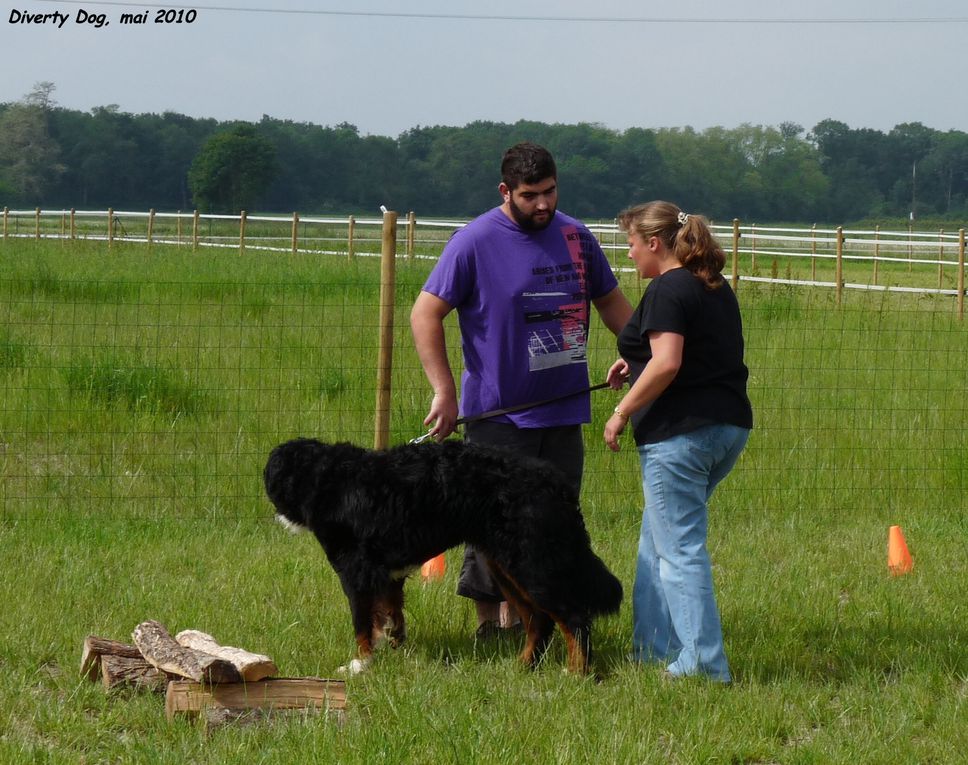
column 710, row 386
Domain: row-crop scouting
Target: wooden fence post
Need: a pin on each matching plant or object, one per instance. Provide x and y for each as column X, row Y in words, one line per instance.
column 295, row 232
column 813, row 252
column 614, row 236
column 73, row 223
column 37, row 223
column 752, row 247
column 961, row 273
column 110, row 227
column 877, row 250
column 910, row 246
column 840, row 263
column 242, row 217
column 940, row 258
column 411, row 233
column 6, row 221
column 151, row 225
column 195, row 231
column 735, row 254
column 178, row 227
column 349, row 238
column 388, row 265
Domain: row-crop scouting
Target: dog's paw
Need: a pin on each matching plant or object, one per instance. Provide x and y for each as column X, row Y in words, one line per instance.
column 354, row 668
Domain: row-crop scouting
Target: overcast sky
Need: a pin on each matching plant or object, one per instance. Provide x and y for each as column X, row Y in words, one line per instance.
column 388, row 66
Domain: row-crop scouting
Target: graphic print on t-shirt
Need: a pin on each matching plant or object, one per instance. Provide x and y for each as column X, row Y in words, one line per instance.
column 556, row 332
column 557, row 316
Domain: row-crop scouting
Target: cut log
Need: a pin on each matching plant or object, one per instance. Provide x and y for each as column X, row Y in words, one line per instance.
column 127, row 671
column 251, row 666
column 96, row 647
column 183, row 697
column 162, row 651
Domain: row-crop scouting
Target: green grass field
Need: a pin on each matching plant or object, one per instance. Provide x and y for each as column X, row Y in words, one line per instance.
column 142, row 390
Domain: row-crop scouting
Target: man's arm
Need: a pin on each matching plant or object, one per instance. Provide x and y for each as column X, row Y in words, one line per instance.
column 427, row 325
column 615, row 310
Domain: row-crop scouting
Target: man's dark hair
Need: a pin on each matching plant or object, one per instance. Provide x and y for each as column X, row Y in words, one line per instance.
column 527, row 163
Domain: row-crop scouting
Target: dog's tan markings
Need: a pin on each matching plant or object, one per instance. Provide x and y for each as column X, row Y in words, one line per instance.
column 577, row 643
column 362, row 607
column 364, row 645
column 538, row 629
column 388, row 622
column 538, row 626
column 364, row 650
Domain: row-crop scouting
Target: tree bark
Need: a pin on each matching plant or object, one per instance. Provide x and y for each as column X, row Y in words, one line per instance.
column 97, row 647
column 124, row 670
column 161, row 650
column 251, row 666
column 276, row 694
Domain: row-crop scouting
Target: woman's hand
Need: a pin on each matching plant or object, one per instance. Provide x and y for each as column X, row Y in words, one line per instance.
column 613, row 429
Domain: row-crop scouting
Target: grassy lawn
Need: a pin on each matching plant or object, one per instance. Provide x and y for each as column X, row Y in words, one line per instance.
column 142, row 390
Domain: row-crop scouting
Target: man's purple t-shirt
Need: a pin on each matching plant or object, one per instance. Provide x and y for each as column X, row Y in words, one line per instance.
column 522, row 300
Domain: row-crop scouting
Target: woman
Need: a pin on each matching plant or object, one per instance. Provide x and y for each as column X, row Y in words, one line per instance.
column 682, row 351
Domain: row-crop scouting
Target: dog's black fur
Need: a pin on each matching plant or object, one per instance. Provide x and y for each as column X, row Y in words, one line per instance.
column 380, row 514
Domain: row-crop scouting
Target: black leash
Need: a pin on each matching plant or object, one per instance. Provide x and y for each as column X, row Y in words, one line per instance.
column 512, row 409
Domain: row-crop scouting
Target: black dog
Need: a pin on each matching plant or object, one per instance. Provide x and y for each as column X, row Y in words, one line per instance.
column 380, row 514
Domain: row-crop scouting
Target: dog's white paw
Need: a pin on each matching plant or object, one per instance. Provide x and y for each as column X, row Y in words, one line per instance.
column 355, row 667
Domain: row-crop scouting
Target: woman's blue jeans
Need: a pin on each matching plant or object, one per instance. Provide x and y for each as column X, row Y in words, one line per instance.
column 674, row 615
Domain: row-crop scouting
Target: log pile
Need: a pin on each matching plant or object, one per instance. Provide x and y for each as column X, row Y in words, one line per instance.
column 200, row 676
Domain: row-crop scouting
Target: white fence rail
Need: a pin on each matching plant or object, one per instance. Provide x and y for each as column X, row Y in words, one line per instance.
column 929, row 262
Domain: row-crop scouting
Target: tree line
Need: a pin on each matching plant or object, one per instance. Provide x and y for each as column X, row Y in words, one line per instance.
column 56, row 157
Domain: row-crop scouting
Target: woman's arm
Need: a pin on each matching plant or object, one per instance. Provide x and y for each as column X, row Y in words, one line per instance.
column 655, row 378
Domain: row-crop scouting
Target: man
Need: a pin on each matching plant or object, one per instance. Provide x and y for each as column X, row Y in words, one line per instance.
column 521, row 277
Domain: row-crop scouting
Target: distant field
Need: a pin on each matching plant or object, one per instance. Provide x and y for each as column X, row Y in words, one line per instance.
column 142, row 390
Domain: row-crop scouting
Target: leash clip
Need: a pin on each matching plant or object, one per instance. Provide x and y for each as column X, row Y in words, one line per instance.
column 419, row 439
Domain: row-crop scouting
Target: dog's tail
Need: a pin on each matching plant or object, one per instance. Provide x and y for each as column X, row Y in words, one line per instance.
column 603, row 590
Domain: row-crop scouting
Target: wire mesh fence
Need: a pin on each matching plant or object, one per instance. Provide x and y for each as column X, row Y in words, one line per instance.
column 141, row 380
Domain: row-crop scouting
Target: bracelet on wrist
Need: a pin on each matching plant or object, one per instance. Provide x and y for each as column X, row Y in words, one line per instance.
column 620, row 413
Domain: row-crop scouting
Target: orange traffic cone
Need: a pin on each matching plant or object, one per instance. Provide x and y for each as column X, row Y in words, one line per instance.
column 898, row 558
column 434, row 568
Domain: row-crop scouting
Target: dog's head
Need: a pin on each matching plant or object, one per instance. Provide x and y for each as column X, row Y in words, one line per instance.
column 286, row 478
column 297, row 475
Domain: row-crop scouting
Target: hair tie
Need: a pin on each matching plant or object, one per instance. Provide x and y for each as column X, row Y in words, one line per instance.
column 682, row 218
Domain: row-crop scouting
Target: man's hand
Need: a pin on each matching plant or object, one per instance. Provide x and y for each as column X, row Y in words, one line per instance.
column 618, row 374
column 443, row 415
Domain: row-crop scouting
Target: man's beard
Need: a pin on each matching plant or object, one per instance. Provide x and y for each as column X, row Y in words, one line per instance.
column 528, row 222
